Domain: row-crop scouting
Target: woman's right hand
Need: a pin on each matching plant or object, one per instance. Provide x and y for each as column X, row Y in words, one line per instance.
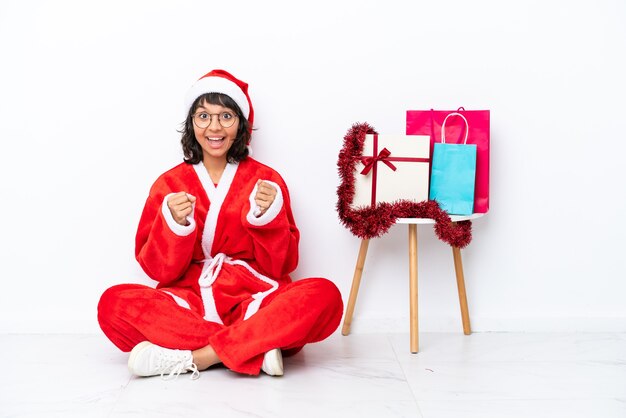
column 181, row 206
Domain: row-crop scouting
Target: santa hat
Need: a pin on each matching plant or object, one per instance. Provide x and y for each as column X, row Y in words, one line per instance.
column 220, row 81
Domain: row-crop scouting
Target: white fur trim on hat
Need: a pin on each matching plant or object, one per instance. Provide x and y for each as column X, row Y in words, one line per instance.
column 216, row 84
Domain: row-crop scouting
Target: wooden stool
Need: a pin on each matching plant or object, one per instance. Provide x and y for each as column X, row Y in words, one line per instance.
column 458, row 267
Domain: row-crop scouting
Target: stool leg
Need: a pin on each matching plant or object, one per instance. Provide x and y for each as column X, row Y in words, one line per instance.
column 460, row 282
column 356, row 281
column 413, row 287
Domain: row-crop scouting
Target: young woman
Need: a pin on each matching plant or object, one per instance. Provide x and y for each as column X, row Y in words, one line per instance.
column 218, row 235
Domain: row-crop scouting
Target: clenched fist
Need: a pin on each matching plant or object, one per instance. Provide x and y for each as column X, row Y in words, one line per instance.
column 265, row 195
column 181, row 206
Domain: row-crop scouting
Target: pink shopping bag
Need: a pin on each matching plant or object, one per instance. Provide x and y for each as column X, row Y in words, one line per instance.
column 428, row 122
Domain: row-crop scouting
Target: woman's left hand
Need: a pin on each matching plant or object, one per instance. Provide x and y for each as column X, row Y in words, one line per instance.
column 265, row 195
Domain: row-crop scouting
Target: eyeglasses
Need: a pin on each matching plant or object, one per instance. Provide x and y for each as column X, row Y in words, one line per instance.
column 203, row 119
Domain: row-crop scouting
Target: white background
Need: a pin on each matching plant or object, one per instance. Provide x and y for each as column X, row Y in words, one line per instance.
column 91, row 99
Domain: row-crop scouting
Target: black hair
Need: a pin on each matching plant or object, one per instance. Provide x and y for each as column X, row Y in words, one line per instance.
column 191, row 148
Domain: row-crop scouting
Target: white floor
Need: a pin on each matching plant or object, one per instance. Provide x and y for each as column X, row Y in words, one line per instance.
column 484, row 375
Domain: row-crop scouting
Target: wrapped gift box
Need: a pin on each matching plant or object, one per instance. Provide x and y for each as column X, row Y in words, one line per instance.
column 393, row 167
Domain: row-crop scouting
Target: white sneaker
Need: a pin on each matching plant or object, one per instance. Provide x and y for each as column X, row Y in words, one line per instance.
column 148, row 359
column 273, row 362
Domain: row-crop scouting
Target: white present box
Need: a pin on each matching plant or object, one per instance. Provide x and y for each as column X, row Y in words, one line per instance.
column 392, row 167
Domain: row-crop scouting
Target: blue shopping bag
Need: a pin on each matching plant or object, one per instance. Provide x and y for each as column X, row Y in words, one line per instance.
column 453, row 173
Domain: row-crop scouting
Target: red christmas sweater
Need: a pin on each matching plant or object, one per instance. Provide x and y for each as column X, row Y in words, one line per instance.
column 224, row 242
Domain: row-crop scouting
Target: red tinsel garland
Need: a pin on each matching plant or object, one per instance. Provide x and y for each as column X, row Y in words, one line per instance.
column 370, row 222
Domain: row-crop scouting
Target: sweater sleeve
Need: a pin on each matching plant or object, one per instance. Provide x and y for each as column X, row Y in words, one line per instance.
column 274, row 234
column 163, row 248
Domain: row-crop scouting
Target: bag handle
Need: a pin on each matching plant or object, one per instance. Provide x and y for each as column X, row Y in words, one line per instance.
column 443, row 127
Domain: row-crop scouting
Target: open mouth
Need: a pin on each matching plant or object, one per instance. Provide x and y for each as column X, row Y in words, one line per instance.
column 216, row 141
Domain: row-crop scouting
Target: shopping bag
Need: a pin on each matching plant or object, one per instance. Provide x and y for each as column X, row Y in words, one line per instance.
column 453, row 173
column 429, row 122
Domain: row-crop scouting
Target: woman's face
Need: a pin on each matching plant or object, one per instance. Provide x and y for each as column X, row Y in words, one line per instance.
column 215, row 140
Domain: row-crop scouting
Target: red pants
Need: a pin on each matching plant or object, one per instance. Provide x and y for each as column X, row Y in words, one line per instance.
column 295, row 314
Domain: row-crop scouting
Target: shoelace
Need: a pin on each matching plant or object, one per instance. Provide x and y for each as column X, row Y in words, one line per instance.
column 172, row 363
column 178, row 369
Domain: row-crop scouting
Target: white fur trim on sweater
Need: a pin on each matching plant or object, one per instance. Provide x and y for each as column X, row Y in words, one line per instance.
column 179, row 301
column 254, row 306
column 216, row 197
column 178, row 229
column 213, row 265
column 210, row 310
column 211, row 269
column 210, row 272
column 218, row 85
column 271, row 213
